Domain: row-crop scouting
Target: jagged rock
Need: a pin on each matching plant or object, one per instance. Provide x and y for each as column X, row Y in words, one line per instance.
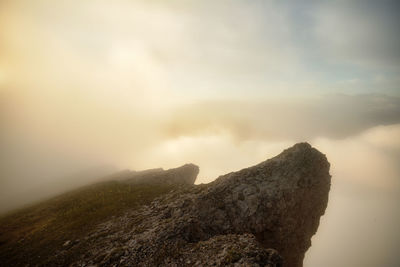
column 228, row 250
column 264, row 215
column 185, row 174
column 280, row 201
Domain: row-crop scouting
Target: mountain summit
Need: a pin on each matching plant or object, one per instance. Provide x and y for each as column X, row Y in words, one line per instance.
column 263, row 215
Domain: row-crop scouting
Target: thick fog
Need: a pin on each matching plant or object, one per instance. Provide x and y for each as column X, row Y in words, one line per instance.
column 92, row 87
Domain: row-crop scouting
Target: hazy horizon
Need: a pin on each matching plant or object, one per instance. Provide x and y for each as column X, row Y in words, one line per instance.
column 92, row 87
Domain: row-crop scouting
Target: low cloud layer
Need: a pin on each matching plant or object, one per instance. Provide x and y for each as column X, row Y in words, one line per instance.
column 50, row 137
column 331, row 116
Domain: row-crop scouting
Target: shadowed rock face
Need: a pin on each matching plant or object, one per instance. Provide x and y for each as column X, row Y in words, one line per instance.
column 280, row 201
column 264, row 215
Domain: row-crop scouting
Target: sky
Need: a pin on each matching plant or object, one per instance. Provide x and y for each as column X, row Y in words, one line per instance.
column 91, row 87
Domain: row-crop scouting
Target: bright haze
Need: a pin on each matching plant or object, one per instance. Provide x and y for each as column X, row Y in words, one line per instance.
column 91, row 87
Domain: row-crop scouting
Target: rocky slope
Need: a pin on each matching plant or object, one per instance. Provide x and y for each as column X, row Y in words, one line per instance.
column 264, row 215
column 185, row 174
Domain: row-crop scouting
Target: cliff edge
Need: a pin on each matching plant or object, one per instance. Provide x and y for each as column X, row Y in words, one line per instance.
column 263, row 215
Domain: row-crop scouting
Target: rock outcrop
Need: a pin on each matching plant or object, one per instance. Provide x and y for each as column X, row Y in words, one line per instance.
column 185, row 174
column 264, row 215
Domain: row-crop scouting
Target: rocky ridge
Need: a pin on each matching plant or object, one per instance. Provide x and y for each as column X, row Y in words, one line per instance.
column 264, row 215
column 185, row 174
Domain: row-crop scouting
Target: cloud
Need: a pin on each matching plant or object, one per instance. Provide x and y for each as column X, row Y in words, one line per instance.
column 331, row 116
column 48, row 137
column 361, row 221
column 359, row 32
column 98, row 81
column 368, row 159
column 216, row 154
